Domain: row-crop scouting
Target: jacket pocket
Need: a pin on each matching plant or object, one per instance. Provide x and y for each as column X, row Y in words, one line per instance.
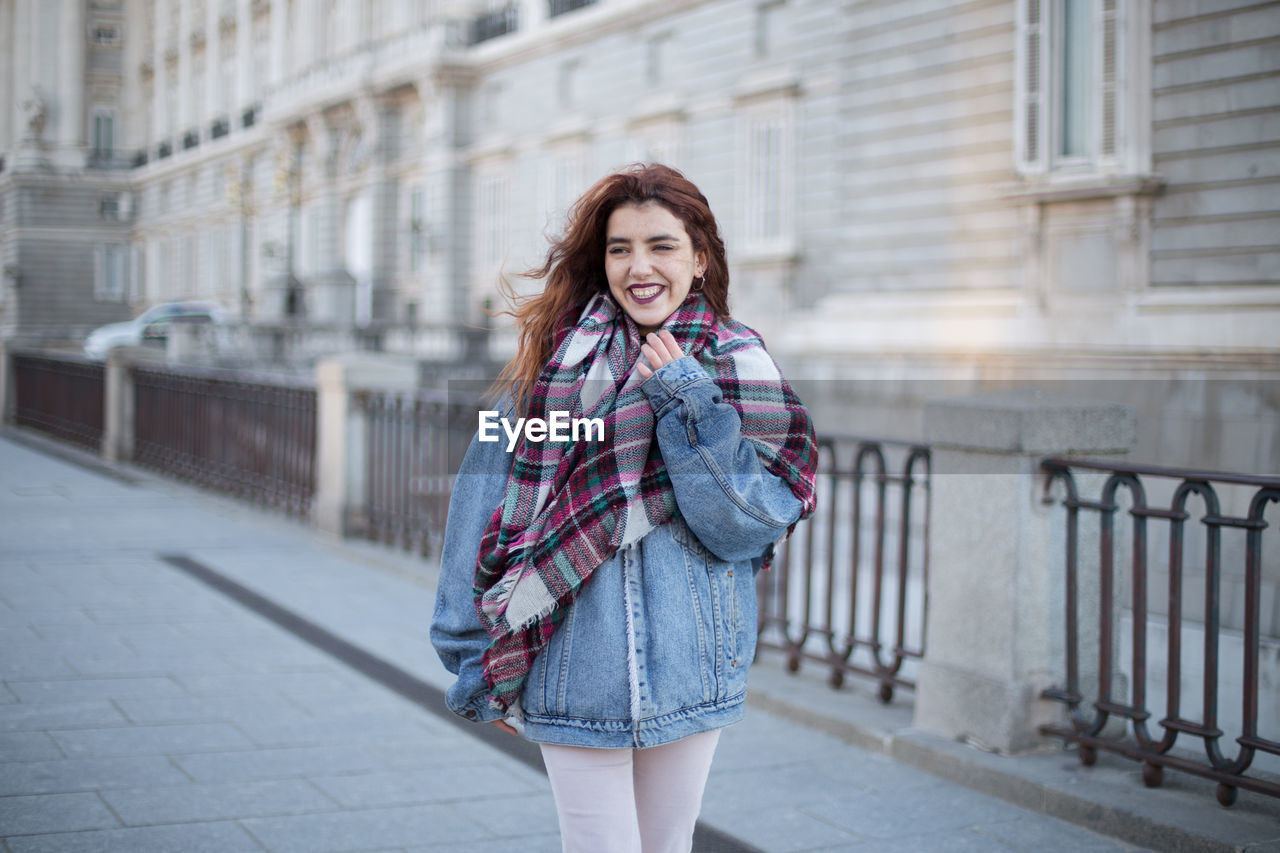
column 717, row 582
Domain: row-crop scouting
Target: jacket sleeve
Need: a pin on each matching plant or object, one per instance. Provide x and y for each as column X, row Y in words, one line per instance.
column 456, row 633
column 734, row 505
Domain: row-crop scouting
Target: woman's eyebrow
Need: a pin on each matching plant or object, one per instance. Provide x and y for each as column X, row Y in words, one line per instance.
column 657, row 238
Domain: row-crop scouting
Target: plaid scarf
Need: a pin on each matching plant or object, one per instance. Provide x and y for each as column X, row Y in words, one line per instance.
column 571, row 506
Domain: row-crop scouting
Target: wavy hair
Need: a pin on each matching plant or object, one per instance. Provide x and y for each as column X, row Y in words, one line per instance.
column 574, row 266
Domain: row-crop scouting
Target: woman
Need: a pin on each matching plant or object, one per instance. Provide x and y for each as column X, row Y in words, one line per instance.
column 600, row 591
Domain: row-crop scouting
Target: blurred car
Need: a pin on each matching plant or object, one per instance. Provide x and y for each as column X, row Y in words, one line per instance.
column 151, row 326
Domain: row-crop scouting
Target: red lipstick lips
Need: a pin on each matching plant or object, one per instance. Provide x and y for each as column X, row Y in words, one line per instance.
column 645, row 299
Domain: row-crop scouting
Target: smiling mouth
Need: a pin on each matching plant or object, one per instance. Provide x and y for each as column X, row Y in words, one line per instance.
column 643, row 293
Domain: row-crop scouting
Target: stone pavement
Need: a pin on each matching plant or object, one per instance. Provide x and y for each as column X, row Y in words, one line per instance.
column 142, row 710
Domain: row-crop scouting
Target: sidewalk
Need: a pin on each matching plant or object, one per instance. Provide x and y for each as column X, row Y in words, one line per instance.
column 142, row 710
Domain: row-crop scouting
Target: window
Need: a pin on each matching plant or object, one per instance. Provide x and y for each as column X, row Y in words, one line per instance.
column 111, row 269
column 1074, row 113
column 767, row 28
column 104, row 124
column 491, row 219
column 105, row 34
column 419, row 234
column 767, row 178
column 658, row 59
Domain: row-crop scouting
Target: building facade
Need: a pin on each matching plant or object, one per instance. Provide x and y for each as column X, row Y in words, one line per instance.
column 910, row 189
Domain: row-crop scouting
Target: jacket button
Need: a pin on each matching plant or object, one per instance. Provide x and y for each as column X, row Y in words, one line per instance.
column 470, row 714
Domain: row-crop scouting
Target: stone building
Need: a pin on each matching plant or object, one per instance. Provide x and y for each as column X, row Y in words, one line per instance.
column 961, row 192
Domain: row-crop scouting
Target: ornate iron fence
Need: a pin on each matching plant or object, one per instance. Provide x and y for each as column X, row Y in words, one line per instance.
column 1215, row 493
column 253, row 440
column 60, row 395
column 415, row 446
column 849, row 588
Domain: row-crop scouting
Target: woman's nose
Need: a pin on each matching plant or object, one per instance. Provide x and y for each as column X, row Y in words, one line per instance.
column 640, row 265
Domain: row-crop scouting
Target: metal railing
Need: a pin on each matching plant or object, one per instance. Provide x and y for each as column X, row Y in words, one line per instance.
column 253, row 440
column 848, row 589
column 555, row 8
column 498, row 22
column 415, row 446
column 60, row 395
column 1214, row 493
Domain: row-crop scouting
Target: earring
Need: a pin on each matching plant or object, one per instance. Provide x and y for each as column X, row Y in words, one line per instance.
column 702, row 280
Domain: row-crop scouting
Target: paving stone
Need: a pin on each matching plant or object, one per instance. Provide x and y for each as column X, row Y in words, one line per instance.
column 28, row 746
column 59, row 715
column 69, row 689
column 225, row 837
column 128, row 663
column 42, row 666
column 87, row 774
column 439, row 751
column 313, row 684
column 926, row 810
column 777, row 830
column 1029, row 832
column 533, row 813
column 143, row 740
column 199, row 709
column 202, row 802
column 365, row 830
column 53, row 813
column 527, row 843
column 366, row 790
column 279, row 763
column 298, row 731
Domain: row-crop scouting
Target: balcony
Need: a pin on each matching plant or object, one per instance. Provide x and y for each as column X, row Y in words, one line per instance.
column 493, row 24
column 556, row 8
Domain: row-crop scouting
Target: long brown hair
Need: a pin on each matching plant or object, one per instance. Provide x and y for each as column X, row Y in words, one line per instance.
column 574, row 267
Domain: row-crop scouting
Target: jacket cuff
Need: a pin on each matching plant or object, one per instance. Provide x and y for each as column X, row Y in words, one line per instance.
column 664, row 387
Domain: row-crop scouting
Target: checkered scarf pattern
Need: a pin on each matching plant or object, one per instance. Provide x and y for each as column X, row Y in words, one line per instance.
column 571, row 506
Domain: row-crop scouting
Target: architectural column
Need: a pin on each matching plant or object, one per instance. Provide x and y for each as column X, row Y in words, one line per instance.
column 214, row 50
column 20, row 66
column 996, row 589
column 160, row 118
column 244, row 59
column 184, row 106
column 71, row 85
column 279, row 32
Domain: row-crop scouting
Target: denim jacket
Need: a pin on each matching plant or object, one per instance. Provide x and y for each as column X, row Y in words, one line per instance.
column 657, row 645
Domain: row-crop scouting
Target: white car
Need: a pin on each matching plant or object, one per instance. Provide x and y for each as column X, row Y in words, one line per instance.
column 151, row 326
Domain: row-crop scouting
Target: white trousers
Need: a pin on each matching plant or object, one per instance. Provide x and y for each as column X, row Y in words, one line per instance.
column 630, row 800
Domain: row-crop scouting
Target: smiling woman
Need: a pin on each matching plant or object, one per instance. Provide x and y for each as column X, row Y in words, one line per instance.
column 598, row 594
column 650, row 262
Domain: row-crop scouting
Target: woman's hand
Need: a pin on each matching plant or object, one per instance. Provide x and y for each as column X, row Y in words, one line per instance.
column 505, row 726
column 658, row 349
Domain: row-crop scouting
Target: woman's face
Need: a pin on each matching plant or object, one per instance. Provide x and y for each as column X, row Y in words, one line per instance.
column 650, row 262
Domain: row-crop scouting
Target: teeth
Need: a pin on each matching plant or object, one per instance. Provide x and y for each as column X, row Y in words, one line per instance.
column 645, row 292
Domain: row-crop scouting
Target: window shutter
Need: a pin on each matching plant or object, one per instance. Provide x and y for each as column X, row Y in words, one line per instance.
column 1031, row 80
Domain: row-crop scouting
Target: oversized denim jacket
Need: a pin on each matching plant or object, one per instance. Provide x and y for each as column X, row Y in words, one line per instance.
column 658, row 643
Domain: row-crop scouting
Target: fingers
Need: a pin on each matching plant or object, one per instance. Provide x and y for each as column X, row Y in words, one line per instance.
column 505, row 726
column 658, row 349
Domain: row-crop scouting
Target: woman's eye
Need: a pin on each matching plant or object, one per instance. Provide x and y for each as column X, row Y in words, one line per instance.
column 617, row 250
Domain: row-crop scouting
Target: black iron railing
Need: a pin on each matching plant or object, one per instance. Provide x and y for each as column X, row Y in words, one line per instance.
column 415, row 446
column 848, row 589
column 60, row 395
column 1209, row 501
column 491, row 25
column 556, row 8
column 255, row 441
